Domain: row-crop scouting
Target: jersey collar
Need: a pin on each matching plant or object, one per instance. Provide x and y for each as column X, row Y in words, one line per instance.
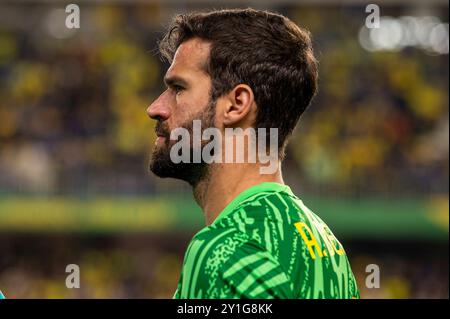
column 249, row 192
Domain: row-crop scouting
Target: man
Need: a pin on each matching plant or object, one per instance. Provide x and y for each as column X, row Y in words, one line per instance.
column 244, row 69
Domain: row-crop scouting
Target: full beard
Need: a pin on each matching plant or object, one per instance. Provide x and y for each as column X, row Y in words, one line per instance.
column 162, row 165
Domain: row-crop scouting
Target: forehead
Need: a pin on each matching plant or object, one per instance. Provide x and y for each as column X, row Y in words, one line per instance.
column 190, row 58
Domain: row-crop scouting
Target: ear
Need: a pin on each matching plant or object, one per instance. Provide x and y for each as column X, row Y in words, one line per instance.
column 240, row 106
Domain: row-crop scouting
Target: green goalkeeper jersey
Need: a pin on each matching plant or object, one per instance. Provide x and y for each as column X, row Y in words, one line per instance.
column 266, row 244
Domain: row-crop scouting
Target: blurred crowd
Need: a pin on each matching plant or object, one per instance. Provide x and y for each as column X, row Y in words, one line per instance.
column 72, row 104
column 149, row 267
column 109, row 267
column 73, row 122
column 406, row 272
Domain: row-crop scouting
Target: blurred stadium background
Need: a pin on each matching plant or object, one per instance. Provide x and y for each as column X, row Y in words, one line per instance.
column 370, row 155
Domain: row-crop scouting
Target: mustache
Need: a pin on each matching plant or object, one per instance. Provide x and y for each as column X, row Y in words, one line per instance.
column 162, row 129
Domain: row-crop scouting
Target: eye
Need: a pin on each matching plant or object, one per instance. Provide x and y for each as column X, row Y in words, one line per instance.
column 177, row 88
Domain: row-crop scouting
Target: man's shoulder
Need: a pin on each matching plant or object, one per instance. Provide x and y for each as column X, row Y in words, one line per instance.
column 218, row 243
column 217, row 239
column 264, row 207
column 219, row 259
column 248, row 223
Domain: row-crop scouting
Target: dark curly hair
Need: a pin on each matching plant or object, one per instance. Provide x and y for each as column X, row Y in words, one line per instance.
column 264, row 50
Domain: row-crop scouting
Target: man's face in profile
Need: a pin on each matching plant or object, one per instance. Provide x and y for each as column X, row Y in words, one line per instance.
column 186, row 98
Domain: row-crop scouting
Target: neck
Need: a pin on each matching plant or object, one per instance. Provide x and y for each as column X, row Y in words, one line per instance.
column 224, row 182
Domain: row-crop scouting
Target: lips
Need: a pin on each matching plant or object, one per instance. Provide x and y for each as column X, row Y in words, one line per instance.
column 161, row 134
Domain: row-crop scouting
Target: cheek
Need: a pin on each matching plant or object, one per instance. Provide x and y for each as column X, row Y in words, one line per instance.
column 182, row 113
column 190, row 105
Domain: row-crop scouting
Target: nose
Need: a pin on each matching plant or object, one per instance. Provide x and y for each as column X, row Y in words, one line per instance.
column 159, row 109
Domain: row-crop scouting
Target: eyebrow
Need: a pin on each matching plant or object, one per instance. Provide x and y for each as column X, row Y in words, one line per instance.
column 174, row 80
